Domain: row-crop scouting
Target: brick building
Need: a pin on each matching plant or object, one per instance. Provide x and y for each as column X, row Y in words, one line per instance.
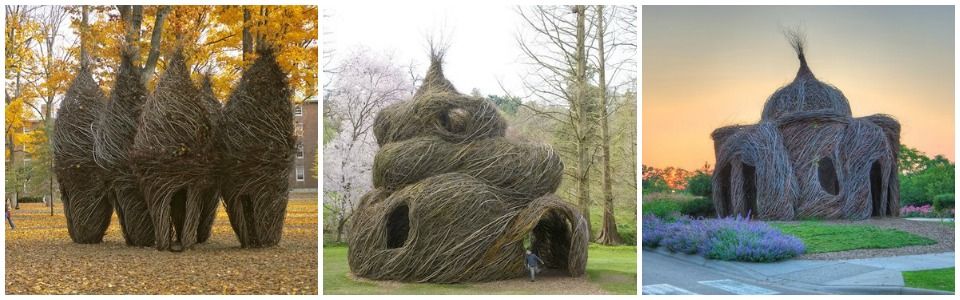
column 302, row 177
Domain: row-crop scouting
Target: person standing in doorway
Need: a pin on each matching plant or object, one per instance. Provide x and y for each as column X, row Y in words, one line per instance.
column 533, row 265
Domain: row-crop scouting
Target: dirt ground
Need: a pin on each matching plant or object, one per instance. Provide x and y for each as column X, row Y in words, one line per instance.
column 41, row 259
column 549, row 282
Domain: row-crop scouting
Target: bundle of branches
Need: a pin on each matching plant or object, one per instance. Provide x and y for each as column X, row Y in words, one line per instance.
column 808, row 157
column 438, row 110
column 87, row 208
column 114, row 134
column 456, row 228
column 257, row 143
column 805, row 93
column 174, row 159
column 523, row 170
column 210, row 102
column 455, row 200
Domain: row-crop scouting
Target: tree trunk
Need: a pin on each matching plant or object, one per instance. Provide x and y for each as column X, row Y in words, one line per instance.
column 84, row 33
column 583, row 162
column 133, row 16
column 154, row 54
column 608, row 232
column 247, row 47
column 48, row 107
column 340, row 225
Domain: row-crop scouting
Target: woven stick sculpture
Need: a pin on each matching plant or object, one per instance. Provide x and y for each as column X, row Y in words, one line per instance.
column 174, row 159
column 83, row 191
column 114, row 136
column 454, row 200
column 257, row 143
column 808, row 157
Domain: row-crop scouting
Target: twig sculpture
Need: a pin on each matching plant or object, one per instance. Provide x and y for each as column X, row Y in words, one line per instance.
column 115, row 131
column 454, row 199
column 82, row 188
column 808, row 157
column 257, row 143
column 174, row 159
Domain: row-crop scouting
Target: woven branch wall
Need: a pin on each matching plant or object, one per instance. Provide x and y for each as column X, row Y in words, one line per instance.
column 454, row 199
column 808, row 157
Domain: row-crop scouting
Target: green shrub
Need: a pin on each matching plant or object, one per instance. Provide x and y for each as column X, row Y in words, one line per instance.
column 664, row 209
column 699, row 207
column 654, row 184
column 933, row 177
column 628, row 233
column 942, row 201
column 700, row 185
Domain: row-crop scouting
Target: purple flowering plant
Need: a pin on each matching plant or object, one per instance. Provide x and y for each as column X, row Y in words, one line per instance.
column 731, row 238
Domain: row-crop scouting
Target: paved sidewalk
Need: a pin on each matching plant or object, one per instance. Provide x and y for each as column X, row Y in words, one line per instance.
column 853, row 276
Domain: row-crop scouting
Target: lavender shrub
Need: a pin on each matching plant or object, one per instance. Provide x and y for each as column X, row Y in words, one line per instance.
column 731, row 238
column 653, row 229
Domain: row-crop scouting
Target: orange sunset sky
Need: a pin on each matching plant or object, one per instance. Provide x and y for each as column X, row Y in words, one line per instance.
column 706, row 66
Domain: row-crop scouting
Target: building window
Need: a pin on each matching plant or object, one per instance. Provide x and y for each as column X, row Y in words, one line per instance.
column 298, row 110
column 299, row 173
column 298, row 129
column 300, row 150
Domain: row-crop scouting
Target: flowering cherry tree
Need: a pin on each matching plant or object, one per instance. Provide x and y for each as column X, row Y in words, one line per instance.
column 364, row 83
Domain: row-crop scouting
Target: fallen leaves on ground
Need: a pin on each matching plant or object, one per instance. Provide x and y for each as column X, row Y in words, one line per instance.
column 41, row 259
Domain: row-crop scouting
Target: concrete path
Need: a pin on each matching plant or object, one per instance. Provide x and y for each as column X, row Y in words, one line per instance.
column 667, row 275
column 855, row 276
column 931, row 219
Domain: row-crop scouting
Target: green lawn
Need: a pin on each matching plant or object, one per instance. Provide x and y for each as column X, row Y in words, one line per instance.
column 614, row 269
column 820, row 237
column 936, row 279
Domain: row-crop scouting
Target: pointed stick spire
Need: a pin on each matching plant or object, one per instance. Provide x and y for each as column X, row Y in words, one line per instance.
column 798, row 40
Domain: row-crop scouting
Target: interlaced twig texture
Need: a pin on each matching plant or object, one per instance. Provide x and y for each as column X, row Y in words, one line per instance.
column 256, row 139
column 808, row 157
column 454, row 200
column 82, row 188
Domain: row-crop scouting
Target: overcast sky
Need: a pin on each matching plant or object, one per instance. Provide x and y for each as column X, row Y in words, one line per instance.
column 707, row 67
column 482, row 38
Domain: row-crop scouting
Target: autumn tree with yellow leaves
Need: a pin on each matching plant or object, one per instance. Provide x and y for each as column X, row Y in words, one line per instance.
column 46, row 45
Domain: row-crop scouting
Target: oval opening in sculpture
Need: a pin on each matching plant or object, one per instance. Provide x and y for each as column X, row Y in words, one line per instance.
column 398, row 226
column 750, row 189
column 454, row 120
column 827, row 174
column 724, row 179
column 551, row 239
column 876, row 189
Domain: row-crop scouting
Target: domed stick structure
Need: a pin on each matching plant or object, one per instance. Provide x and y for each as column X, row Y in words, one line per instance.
column 82, row 188
column 174, row 159
column 808, row 157
column 455, row 200
column 114, row 135
column 257, row 143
